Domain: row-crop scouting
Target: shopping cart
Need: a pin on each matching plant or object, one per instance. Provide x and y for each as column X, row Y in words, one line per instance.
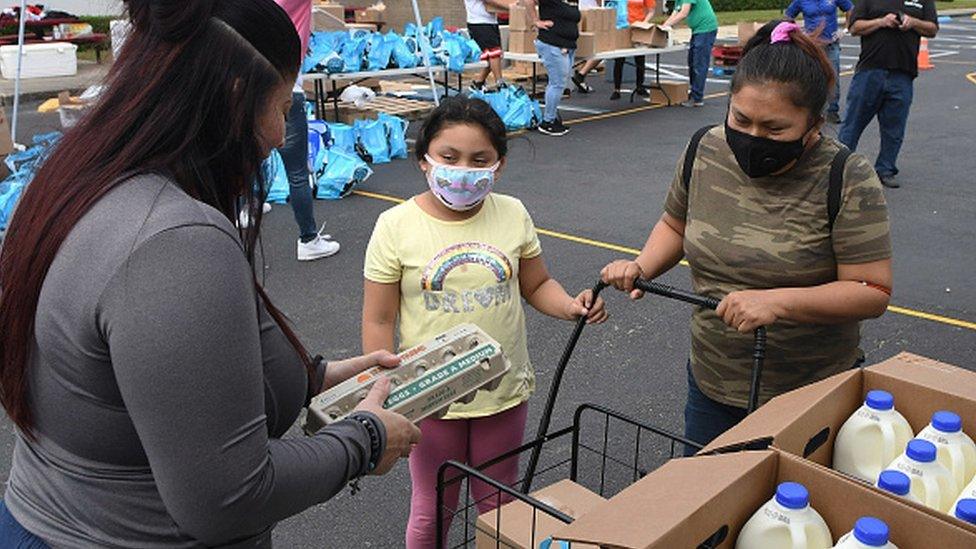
column 598, row 466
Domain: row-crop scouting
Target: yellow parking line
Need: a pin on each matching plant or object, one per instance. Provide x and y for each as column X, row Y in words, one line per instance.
column 971, row 77
column 634, row 251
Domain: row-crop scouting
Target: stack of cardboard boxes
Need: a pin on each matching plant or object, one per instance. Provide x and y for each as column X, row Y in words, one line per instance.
column 601, row 24
column 709, row 497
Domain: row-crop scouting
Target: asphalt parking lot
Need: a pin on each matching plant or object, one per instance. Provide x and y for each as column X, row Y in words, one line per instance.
column 595, row 194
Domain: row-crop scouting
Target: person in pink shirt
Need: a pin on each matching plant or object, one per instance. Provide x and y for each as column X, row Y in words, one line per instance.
column 311, row 243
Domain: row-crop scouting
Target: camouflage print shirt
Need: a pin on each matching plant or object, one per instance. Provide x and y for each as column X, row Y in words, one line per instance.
column 772, row 232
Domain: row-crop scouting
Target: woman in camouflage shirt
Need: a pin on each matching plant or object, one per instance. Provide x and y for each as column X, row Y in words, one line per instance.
column 753, row 224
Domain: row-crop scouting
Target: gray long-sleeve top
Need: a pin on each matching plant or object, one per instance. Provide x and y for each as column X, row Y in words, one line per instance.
column 159, row 387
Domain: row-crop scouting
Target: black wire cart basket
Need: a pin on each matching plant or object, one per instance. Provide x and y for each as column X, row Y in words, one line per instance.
column 603, row 450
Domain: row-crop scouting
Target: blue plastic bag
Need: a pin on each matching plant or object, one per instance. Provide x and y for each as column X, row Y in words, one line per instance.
column 323, row 52
column 353, row 54
column 434, row 31
column 275, row 179
column 318, row 144
column 474, row 51
column 380, row 51
column 623, row 21
column 403, row 56
column 10, row 191
column 343, row 137
column 454, row 53
column 373, row 137
column 396, row 131
column 342, row 173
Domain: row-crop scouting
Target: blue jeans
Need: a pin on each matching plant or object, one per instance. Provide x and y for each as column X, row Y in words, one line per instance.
column 558, row 65
column 886, row 94
column 833, row 53
column 706, row 419
column 295, row 156
column 15, row 536
column 699, row 58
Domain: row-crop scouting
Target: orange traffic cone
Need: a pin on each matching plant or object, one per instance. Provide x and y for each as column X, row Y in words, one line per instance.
column 924, row 63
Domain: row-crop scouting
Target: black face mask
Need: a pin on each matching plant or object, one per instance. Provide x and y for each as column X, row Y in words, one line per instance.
column 760, row 156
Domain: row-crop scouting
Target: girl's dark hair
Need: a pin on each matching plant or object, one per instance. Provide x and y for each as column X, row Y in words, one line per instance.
column 463, row 110
column 800, row 64
column 181, row 100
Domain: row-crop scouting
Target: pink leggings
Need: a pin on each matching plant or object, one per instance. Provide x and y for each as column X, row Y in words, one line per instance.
column 470, row 441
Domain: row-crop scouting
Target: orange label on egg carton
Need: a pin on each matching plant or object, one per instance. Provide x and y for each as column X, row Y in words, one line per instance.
column 431, row 376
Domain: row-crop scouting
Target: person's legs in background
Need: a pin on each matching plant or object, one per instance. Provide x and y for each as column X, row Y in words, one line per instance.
column 579, row 77
column 442, row 440
column 699, row 59
column 490, row 437
column 294, row 154
column 618, row 77
column 706, row 419
column 863, row 102
column 892, row 121
column 833, row 109
column 641, row 66
column 557, row 65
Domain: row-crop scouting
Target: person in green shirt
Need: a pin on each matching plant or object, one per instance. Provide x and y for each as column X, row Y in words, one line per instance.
column 704, row 27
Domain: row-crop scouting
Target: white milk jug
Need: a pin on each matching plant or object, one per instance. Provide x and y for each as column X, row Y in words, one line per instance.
column 871, row 438
column 897, row 483
column 868, row 533
column 957, row 452
column 969, row 492
column 786, row 522
column 965, row 510
column 932, row 483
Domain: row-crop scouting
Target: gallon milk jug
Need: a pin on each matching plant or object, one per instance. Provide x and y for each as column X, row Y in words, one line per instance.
column 932, row 483
column 871, row 438
column 957, row 452
column 786, row 522
column 969, row 492
column 965, row 510
column 868, row 533
column 897, row 483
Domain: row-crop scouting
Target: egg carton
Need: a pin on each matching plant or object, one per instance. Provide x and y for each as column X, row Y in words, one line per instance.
column 450, row 368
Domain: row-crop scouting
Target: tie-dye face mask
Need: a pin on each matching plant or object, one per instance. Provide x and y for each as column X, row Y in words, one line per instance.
column 460, row 188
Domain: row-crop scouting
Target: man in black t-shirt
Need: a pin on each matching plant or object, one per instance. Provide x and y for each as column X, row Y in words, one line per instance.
column 558, row 24
column 890, row 32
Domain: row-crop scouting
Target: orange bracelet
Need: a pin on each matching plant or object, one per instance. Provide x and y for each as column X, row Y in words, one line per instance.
column 878, row 287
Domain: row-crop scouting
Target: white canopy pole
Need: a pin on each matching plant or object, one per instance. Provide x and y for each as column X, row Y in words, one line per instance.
column 20, row 60
column 425, row 49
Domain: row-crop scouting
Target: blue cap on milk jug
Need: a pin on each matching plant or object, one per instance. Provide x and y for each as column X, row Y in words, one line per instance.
column 966, row 510
column 895, row 482
column 880, row 400
column 946, row 421
column 921, row 450
column 792, row 495
column 871, row 531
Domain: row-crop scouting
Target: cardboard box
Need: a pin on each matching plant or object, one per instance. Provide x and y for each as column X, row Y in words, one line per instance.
column 748, row 30
column 6, row 144
column 585, row 45
column 604, row 41
column 518, row 19
column 492, row 8
column 326, row 22
column 516, row 517
column 371, row 27
column 522, row 41
column 688, row 501
column 649, row 34
column 677, row 92
column 335, row 10
column 598, row 19
column 804, row 422
column 370, row 15
column 525, row 67
column 621, row 39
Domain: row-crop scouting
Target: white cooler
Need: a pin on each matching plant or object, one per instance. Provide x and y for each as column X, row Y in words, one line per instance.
column 40, row 60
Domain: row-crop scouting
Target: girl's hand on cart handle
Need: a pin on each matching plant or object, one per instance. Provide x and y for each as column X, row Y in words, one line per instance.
column 621, row 274
column 401, row 434
column 596, row 312
column 747, row 310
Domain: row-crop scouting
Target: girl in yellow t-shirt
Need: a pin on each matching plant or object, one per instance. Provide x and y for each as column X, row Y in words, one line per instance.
column 459, row 253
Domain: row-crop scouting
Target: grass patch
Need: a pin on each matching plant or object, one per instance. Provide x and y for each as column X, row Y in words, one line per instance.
column 735, row 17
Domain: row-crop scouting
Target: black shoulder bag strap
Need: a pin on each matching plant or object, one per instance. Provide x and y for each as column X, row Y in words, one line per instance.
column 835, row 186
column 690, row 154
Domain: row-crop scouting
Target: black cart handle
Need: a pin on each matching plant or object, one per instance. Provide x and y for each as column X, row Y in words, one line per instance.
column 647, row 286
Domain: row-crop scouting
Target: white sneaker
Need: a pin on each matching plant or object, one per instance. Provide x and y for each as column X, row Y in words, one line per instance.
column 317, row 248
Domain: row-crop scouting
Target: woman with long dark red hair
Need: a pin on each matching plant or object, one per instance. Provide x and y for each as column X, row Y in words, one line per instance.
column 148, row 375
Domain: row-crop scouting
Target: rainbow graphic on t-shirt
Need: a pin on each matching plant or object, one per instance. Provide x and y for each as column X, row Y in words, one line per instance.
column 465, row 253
